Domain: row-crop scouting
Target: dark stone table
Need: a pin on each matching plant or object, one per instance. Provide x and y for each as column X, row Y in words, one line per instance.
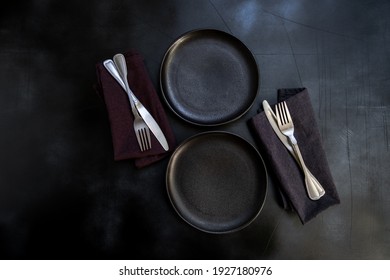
column 62, row 196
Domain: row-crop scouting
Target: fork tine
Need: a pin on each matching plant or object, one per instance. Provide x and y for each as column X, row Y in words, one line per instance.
column 145, row 132
column 280, row 108
column 284, row 116
column 139, row 140
column 149, row 141
column 277, row 112
column 286, row 112
column 283, row 112
column 145, row 138
column 142, row 133
column 280, row 115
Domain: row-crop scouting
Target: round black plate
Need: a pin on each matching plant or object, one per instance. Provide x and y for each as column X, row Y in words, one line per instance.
column 209, row 77
column 217, row 182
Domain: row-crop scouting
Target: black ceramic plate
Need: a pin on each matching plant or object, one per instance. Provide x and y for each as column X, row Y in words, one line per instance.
column 217, row 182
column 209, row 77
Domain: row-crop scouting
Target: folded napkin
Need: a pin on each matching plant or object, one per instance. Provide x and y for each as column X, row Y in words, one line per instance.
column 285, row 168
column 121, row 118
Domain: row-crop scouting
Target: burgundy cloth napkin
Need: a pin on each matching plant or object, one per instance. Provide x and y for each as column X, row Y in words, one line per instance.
column 283, row 165
column 121, row 118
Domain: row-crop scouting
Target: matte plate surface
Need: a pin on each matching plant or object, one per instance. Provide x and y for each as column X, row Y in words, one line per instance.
column 217, row 182
column 209, row 77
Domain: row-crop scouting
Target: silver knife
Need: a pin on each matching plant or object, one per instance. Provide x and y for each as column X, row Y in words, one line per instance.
column 145, row 115
column 272, row 119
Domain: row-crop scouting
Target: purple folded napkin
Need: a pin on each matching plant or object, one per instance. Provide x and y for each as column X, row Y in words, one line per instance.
column 121, row 118
column 286, row 170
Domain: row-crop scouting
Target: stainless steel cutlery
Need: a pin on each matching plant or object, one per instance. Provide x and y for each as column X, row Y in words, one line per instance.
column 285, row 123
column 143, row 120
column 280, row 121
column 143, row 133
column 140, row 128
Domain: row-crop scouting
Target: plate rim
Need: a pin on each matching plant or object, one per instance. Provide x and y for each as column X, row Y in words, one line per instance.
column 224, row 33
column 266, row 185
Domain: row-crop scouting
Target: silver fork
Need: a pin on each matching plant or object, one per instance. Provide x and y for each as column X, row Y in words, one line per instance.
column 140, row 128
column 314, row 189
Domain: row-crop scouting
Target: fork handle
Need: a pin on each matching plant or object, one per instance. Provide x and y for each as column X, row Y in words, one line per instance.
column 314, row 189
